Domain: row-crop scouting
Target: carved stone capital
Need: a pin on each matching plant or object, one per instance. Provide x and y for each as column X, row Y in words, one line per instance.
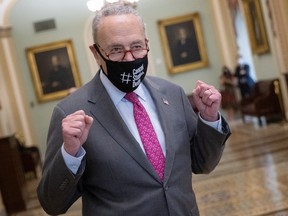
column 5, row 32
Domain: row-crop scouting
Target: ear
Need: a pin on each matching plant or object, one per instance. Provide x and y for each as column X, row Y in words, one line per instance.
column 95, row 53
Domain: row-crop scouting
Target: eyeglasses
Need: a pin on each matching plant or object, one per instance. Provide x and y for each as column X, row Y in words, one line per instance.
column 118, row 54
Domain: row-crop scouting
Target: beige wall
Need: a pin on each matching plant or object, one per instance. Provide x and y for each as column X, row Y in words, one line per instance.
column 72, row 23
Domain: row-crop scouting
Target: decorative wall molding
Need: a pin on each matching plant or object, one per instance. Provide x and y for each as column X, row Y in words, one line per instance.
column 5, row 7
column 5, row 32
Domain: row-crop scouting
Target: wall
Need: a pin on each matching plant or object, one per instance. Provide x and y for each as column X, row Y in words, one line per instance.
column 265, row 64
column 152, row 13
column 71, row 19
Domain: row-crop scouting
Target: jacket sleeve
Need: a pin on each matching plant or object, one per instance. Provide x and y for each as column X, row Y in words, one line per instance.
column 59, row 188
column 207, row 143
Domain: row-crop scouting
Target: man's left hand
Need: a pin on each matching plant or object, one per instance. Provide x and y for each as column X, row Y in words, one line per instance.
column 207, row 100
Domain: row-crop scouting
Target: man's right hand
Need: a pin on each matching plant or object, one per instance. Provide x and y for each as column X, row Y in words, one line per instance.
column 75, row 129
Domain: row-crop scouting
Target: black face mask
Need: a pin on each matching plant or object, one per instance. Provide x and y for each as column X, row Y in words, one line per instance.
column 126, row 76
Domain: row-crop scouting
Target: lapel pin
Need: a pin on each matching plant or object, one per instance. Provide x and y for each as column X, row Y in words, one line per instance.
column 165, row 101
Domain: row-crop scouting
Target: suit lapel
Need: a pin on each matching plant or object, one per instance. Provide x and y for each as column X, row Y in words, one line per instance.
column 164, row 112
column 105, row 112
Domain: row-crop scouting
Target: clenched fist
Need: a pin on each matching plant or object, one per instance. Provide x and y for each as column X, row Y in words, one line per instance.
column 75, row 129
column 207, row 100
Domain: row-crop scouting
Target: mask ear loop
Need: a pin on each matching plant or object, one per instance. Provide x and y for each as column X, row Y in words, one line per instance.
column 98, row 51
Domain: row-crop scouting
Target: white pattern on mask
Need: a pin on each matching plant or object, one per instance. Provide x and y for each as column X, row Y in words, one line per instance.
column 137, row 73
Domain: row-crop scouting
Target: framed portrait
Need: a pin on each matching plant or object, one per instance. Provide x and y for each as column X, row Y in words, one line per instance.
column 255, row 25
column 183, row 43
column 54, row 70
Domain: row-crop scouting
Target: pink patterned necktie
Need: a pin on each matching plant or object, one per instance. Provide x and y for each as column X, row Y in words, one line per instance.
column 148, row 135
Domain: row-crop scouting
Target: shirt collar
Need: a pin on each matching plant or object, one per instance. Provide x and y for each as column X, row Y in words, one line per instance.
column 117, row 95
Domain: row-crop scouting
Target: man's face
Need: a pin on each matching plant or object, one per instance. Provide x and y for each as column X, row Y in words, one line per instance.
column 182, row 34
column 118, row 31
column 55, row 61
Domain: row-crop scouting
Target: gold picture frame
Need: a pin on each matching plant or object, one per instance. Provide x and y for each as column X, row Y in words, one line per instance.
column 54, row 70
column 183, row 43
column 256, row 28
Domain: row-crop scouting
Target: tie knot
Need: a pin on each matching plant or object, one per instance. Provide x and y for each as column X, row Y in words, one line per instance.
column 132, row 97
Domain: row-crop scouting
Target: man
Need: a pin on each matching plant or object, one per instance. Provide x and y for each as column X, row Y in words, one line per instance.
column 245, row 81
column 95, row 149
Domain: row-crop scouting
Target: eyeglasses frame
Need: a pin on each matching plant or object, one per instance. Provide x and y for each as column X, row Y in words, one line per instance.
column 98, row 48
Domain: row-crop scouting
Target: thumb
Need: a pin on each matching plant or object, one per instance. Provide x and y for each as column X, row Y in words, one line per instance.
column 88, row 124
column 199, row 82
column 89, row 121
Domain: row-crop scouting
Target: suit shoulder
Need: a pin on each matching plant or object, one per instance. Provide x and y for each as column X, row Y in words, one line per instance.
column 161, row 81
column 77, row 99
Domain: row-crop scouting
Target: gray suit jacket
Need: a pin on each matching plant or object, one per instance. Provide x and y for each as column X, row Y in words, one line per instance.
column 115, row 177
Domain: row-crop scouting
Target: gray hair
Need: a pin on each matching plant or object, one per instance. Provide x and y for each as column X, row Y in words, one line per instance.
column 110, row 9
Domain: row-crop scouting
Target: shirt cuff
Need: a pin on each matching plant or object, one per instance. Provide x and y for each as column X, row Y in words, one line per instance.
column 73, row 163
column 217, row 125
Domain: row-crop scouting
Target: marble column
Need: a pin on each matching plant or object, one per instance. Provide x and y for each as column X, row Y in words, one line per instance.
column 14, row 111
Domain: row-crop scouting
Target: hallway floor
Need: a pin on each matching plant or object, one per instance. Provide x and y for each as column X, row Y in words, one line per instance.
column 251, row 179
